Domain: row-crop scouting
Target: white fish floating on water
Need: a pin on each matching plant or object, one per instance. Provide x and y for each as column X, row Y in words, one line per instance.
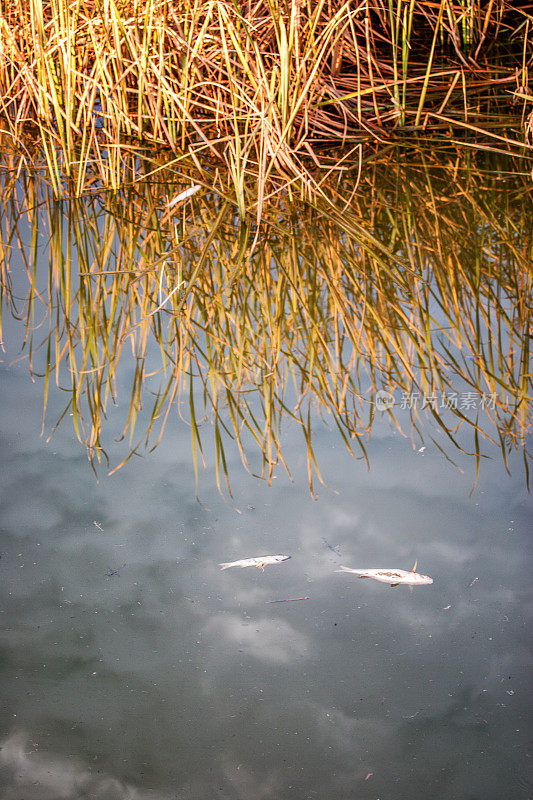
column 184, row 195
column 261, row 562
column 393, row 576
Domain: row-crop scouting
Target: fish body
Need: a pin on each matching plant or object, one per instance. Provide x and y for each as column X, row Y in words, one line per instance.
column 261, row 562
column 392, row 576
column 184, row 195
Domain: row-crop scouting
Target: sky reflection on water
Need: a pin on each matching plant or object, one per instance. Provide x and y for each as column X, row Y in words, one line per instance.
column 132, row 667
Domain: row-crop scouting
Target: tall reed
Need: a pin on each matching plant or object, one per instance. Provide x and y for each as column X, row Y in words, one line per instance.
column 262, row 86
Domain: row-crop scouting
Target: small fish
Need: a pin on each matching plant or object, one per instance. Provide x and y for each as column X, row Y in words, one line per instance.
column 392, row 576
column 184, row 195
column 261, row 562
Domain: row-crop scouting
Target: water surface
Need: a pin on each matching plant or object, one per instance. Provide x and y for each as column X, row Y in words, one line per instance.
column 133, row 667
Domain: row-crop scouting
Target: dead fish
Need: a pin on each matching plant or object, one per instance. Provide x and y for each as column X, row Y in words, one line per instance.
column 184, row 195
column 393, row 576
column 261, row 562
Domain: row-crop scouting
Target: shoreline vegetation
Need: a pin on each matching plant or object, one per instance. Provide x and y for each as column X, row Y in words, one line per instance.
column 357, row 221
column 266, row 90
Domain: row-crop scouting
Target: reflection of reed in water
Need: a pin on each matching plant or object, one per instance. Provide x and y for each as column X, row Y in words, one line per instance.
column 420, row 284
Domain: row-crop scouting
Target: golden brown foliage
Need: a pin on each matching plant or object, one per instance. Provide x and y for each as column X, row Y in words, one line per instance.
column 263, row 85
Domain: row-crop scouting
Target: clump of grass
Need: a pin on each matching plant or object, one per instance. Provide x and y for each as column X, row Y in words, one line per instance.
column 261, row 86
column 419, row 283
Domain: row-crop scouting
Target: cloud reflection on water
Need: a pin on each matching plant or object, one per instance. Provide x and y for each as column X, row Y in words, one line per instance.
column 34, row 775
column 323, row 690
column 274, row 641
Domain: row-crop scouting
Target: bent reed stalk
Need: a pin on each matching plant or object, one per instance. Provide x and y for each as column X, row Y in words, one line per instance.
column 420, row 282
column 262, row 86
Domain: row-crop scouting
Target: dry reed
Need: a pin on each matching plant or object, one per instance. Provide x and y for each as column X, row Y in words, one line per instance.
column 261, row 86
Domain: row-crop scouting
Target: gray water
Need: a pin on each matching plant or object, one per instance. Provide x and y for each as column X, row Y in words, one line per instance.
column 133, row 667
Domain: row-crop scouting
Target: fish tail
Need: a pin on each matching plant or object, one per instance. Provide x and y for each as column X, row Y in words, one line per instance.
column 349, row 569
column 225, row 565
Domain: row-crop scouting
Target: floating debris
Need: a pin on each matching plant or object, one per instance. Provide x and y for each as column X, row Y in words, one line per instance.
column 111, row 572
column 334, row 548
column 290, row 600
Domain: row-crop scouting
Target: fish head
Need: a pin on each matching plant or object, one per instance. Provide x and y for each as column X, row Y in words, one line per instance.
column 421, row 580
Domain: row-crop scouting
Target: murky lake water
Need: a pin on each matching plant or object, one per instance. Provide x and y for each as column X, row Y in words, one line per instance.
column 133, row 667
